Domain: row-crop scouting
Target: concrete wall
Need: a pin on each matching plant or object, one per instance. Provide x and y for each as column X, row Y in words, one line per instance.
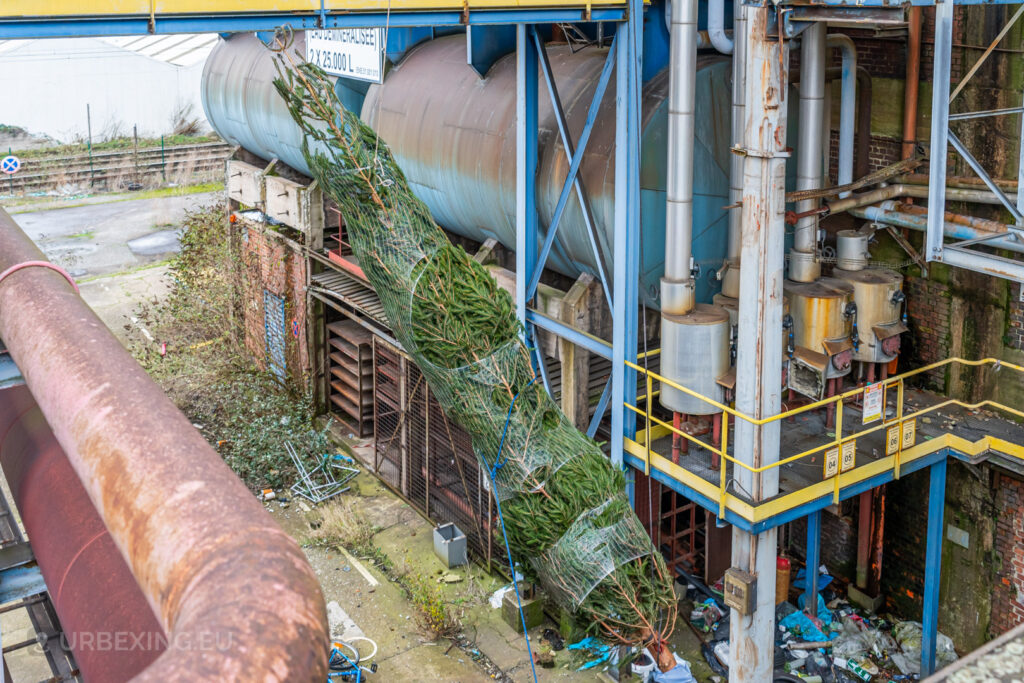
column 46, row 84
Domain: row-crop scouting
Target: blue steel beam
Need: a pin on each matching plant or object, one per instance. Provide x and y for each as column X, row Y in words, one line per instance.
column 129, row 25
column 575, row 159
column 526, row 166
column 932, row 566
column 577, row 337
column 602, row 405
column 627, row 229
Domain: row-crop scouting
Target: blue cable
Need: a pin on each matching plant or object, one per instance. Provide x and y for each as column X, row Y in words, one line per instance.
column 498, row 464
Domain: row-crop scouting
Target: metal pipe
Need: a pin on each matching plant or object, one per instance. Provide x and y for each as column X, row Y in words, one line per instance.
column 958, row 181
column 716, row 28
column 803, row 265
column 91, row 587
column 954, row 226
column 913, row 76
column 730, row 283
column 916, row 191
column 677, row 286
column 847, row 104
column 210, row 561
column 864, row 506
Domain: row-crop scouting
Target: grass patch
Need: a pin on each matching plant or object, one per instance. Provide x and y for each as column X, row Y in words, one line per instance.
column 119, row 143
column 340, row 522
column 30, row 204
column 85, row 235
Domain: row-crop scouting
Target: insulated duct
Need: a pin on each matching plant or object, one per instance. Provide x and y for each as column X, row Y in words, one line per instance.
column 847, row 104
column 803, row 262
column 731, row 277
column 677, row 286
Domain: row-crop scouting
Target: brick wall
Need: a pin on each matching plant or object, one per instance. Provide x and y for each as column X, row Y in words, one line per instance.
column 271, row 264
column 928, row 317
column 1008, row 593
column 838, row 540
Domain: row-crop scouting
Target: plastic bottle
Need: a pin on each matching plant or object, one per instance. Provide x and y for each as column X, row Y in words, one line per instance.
column 853, row 667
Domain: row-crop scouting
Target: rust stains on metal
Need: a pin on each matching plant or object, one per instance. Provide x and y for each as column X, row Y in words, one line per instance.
column 210, row 561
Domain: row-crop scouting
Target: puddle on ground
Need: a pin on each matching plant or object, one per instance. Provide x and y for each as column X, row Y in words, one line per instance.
column 161, row 242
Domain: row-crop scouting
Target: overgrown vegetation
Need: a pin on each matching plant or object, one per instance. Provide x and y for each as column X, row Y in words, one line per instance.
column 205, row 369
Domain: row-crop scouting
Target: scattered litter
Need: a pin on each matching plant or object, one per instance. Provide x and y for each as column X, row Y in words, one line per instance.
column 449, row 578
column 267, row 494
column 594, row 648
column 324, row 480
column 705, row 615
column 680, row 673
column 304, row 507
column 552, row 638
column 498, row 596
column 545, row 658
column 346, row 568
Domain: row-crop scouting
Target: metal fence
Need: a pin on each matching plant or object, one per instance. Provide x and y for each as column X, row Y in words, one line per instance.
column 426, row 458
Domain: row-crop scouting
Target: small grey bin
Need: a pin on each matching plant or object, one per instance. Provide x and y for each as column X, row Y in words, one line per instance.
column 450, row 545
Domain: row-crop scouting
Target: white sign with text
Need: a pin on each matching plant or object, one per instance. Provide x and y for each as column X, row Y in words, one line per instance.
column 350, row 52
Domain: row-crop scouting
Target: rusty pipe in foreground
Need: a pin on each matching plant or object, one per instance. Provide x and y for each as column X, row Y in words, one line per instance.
column 212, row 563
column 105, row 618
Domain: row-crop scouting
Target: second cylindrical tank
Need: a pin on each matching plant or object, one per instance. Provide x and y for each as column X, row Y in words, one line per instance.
column 879, row 298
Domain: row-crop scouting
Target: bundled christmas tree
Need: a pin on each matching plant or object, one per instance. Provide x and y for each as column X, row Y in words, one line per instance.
column 565, row 510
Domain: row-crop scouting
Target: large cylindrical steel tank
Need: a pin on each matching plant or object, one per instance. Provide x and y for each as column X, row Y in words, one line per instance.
column 453, row 134
column 878, row 295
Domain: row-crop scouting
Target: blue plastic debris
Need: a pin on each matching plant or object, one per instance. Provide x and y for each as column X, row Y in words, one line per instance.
column 595, row 648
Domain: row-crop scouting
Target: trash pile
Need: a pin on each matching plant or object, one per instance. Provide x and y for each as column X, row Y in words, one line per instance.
column 839, row 644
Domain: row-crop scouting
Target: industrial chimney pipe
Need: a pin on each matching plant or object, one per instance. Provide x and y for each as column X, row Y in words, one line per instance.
column 731, row 279
column 233, row 592
column 677, row 286
column 803, row 261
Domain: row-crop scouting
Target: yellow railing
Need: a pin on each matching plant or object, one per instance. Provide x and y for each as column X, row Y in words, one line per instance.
column 899, row 450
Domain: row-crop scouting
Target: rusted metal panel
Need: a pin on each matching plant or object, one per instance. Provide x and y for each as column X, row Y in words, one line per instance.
column 204, row 552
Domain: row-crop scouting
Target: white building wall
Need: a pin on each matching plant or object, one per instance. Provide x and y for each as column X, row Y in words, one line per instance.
column 46, row 84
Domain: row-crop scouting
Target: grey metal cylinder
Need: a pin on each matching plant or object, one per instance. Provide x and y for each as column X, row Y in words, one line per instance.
column 808, row 163
column 701, row 341
column 852, row 250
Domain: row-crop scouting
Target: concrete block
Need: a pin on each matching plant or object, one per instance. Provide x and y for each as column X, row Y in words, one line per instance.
column 533, row 609
column 863, row 600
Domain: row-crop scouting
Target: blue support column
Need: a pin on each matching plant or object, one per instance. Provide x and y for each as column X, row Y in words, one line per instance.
column 526, row 165
column 813, row 561
column 526, row 175
column 627, row 229
column 933, row 566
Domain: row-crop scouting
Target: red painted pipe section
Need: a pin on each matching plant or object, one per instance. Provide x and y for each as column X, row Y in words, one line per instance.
column 106, row 619
column 234, row 593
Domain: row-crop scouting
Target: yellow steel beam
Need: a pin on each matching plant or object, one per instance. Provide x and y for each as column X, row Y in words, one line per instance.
column 107, row 8
column 795, row 499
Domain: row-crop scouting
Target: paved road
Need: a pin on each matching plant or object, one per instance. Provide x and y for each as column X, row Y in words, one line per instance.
column 101, row 239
